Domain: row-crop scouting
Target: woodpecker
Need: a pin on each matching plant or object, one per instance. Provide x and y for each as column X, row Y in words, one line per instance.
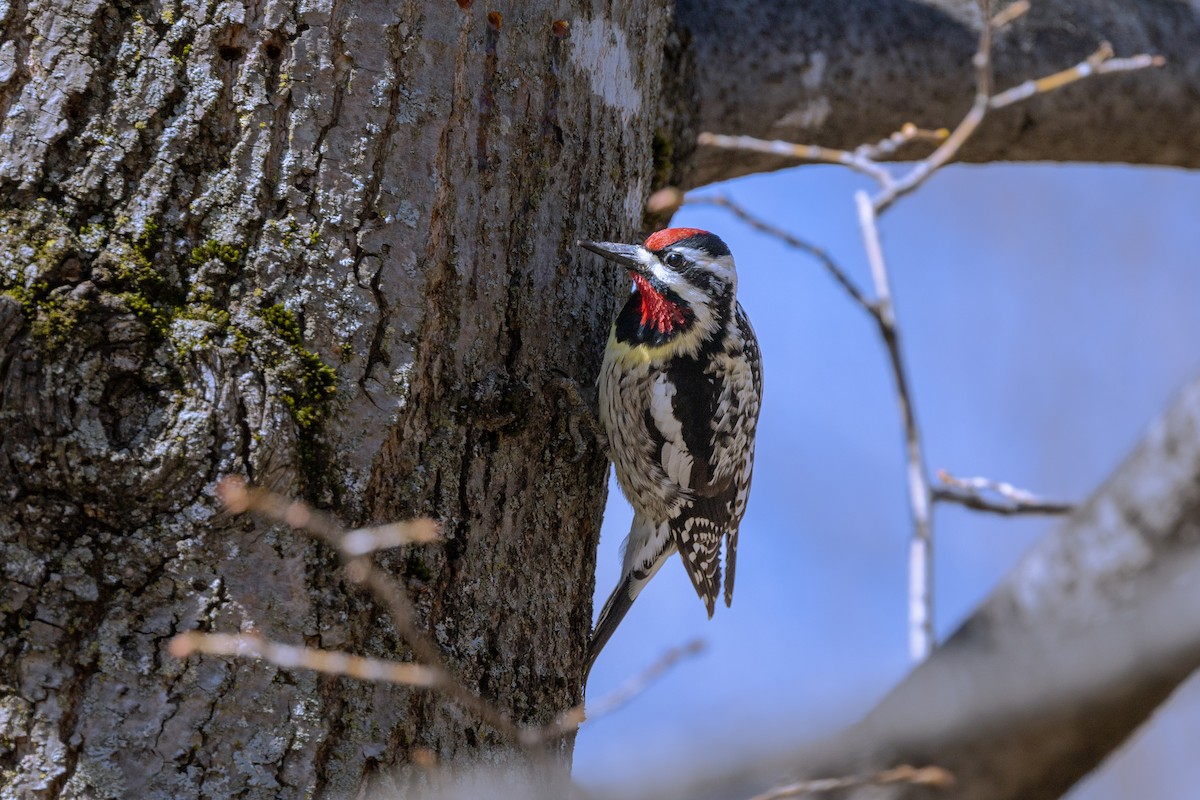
column 680, row 390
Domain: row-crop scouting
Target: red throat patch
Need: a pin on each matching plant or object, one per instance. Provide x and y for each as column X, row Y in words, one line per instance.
column 669, row 236
column 657, row 311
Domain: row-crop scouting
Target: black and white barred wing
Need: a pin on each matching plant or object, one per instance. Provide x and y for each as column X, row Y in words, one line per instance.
column 736, row 453
column 705, row 418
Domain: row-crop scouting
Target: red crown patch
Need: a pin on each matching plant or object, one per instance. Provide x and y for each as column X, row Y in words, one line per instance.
column 669, row 236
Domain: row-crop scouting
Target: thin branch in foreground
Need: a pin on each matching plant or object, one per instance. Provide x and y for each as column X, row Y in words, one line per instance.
column 795, row 242
column 632, row 687
column 238, row 497
column 330, row 662
column 933, row 777
column 433, row 673
column 974, row 493
column 1010, row 14
column 361, row 541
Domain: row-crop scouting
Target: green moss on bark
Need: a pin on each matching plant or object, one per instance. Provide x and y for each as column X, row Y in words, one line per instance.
column 312, row 391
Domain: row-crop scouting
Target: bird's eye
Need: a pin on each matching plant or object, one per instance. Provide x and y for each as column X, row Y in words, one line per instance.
column 675, row 260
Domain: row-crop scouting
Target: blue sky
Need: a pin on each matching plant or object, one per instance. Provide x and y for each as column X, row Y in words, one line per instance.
column 1048, row 312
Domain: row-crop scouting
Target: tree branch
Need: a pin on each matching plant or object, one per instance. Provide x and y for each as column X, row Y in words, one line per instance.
column 789, row 239
column 355, row 547
column 845, row 73
column 934, row 777
column 891, row 189
column 360, row 569
column 1065, row 659
column 920, row 548
column 330, row 662
column 974, row 493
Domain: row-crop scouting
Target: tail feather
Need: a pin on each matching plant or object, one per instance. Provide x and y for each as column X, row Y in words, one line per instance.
column 699, row 544
column 730, row 565
column 615, row 609
column 646, row 549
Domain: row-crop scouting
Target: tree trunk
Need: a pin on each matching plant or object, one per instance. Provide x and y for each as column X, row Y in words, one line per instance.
column 328, row 246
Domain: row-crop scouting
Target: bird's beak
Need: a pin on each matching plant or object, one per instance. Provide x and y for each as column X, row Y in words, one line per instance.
column 624, row 254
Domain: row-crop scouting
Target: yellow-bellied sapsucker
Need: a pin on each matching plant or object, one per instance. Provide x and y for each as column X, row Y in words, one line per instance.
column 680, row 391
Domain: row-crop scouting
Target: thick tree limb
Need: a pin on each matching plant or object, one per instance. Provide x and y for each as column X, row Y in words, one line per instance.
column 839, row 74
column 1064, row 661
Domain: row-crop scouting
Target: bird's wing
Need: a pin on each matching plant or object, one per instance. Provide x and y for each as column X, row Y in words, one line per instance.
column 703, row 419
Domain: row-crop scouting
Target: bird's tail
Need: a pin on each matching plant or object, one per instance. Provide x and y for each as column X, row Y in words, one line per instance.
column 646, row 548
column 615, row 609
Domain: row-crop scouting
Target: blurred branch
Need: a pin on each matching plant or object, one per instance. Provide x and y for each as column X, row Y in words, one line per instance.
column 1010, row 13
column 1068, row 656
column 360, row 569
column 934, row 777
column 331, row 662
column 354, row 547
column 1009, row 501
column 640, row 682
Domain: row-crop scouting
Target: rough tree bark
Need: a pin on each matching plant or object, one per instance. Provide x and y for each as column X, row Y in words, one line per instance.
column 328, row 245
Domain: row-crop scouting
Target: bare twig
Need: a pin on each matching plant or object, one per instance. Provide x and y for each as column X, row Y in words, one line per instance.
column 800, row 152
column 908, row 132
column 433, row 672
column 335, row 662
column 920, row 551
column 920, row 172
column 631, row 688
column 1010, row 13
column 933, row 777
column 1100, row 62
column 1009, row 501
column 238, row 497
column 795, row 242
column 332, row 662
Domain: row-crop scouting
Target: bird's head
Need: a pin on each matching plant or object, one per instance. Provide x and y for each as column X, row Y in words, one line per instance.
column 685, row 284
